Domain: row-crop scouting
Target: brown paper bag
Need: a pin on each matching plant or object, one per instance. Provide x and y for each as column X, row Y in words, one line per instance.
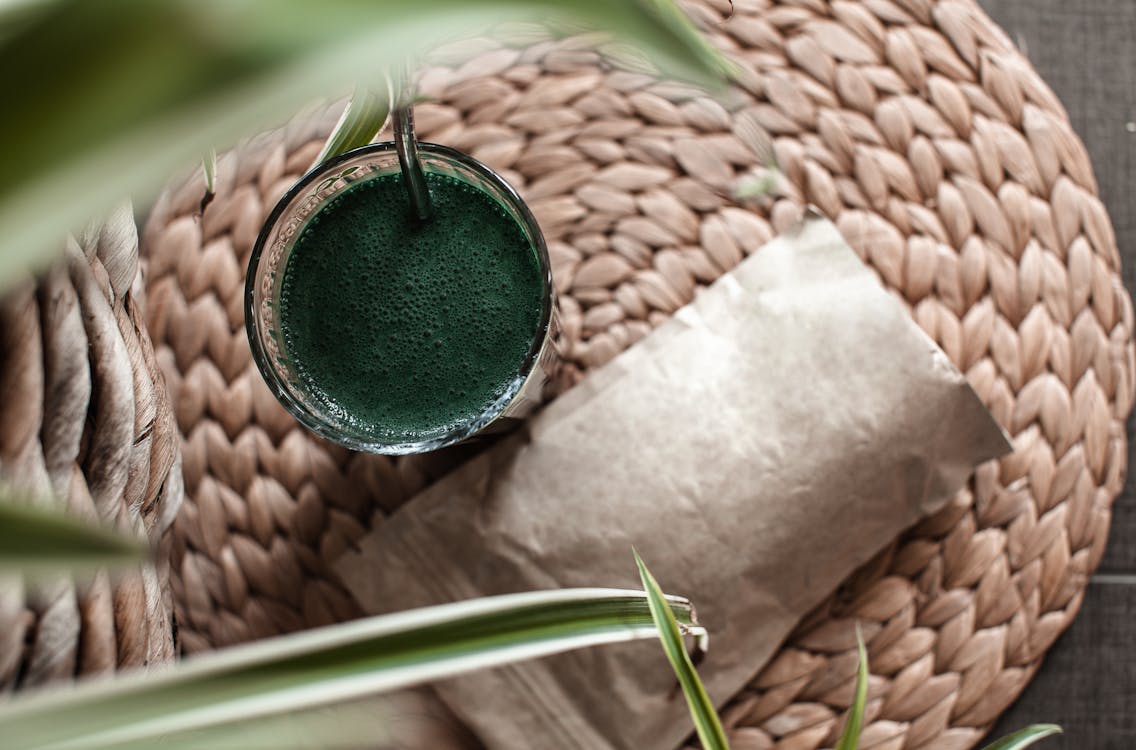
column 756, row 449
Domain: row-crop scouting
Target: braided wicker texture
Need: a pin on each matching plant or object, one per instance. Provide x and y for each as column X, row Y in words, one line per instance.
column 946, row 163
column 87, row 421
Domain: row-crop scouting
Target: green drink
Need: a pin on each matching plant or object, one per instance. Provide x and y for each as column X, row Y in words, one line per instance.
column 410, row 328
column 393, row 334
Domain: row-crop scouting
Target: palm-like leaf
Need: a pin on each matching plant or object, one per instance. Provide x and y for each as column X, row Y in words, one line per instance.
column 364, row 116
column 326, row 666
column 1024, row 737
column 39, row 540
column 850, row 737
column 107, row 98
column 702, row 711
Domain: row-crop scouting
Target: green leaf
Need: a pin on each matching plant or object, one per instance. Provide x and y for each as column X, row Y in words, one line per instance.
column 1024, row 737
column 209, row 168
column 759, row 184
column 16, row 15
column 328, row 665
column 105, row 99
column 36, row 540
column 209, row 171
column 850, row 737
column 364, row 116
column 706, row 722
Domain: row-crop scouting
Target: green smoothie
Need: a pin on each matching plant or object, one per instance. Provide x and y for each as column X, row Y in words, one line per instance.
column 407, row 329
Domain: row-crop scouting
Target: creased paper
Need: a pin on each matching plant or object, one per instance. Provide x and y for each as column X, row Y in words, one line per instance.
column 756, row 448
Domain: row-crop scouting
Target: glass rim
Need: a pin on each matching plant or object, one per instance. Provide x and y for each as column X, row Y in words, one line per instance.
column 325, row 427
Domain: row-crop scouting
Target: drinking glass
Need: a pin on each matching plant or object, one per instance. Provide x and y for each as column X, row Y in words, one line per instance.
column 274, row 247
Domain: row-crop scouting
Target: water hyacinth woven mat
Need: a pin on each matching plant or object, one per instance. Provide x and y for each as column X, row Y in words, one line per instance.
column 946, row 163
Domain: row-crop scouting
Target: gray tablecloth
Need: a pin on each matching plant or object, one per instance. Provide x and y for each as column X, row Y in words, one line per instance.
column 1086, row 50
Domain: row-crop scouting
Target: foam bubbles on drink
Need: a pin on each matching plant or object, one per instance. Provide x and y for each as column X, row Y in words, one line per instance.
column 455, row 301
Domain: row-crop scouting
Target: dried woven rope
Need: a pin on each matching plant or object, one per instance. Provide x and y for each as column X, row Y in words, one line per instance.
column 87, row 424
column 946, row 163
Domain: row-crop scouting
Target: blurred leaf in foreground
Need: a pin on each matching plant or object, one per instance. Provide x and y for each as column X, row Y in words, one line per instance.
column 40, row 540
column 105, row 99
column 326, row 666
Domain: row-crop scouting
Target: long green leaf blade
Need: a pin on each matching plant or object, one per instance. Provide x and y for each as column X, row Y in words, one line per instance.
column 36, row 540
column 850, row 737
column 328, row 665
column 209, row 168
column 706, row 721
column 104, row 99
column 364, row 116
column 1024, row 737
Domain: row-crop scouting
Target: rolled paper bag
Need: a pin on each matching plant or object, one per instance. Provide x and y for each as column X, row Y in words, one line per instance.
column 756, row 449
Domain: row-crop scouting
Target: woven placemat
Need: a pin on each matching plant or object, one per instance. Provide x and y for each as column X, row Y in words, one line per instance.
column 945, row 162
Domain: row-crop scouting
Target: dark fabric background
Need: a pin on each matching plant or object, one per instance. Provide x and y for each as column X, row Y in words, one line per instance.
column 1086, row 51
